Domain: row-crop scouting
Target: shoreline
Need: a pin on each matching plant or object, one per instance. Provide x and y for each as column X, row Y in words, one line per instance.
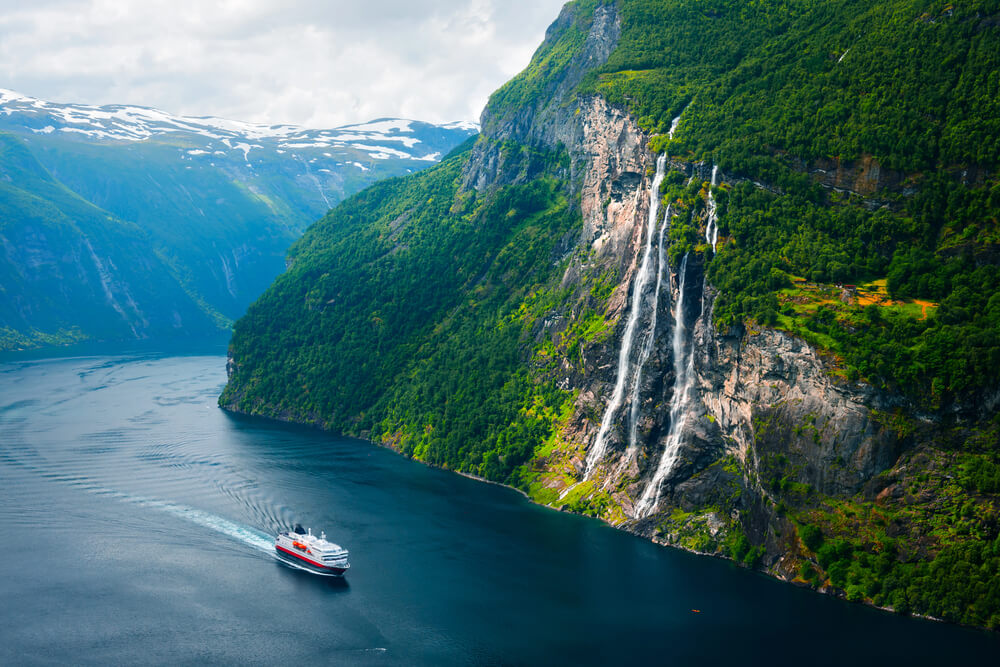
column 835, row 593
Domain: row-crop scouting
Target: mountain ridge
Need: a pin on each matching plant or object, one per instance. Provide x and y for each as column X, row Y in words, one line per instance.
column 216, row 203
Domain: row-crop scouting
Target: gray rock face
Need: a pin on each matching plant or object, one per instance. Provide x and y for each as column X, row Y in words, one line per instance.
column 551, row 120
column 773, row 396
column 758, row 408
column 763, row 400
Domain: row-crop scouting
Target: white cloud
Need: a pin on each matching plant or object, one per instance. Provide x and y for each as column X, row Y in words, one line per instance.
column 310, row 62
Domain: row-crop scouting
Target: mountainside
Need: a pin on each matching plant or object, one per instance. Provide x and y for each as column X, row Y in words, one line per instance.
column 722, row 274
column 216, row 203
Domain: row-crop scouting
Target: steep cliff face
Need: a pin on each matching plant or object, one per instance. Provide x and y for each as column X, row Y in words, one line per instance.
column 750, row 392
column 586, row 305
column 543, row 111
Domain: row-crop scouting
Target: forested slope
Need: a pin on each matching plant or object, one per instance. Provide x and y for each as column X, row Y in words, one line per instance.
column 70, row 271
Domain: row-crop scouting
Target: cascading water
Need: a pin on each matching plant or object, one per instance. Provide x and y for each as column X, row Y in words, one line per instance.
column 597, row 452
column 712, row 227
column 683, row 350
column 647, row 349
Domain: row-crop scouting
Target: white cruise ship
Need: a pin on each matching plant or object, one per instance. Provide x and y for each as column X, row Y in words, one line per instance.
column 315, row 554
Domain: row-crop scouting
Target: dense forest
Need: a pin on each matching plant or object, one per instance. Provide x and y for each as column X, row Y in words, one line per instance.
column 857, row 145
column 409, row 327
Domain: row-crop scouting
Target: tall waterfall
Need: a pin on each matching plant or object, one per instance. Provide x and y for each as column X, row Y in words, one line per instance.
column 683, row 350
column 712, row 227
column 647, row 348
column 597, row 452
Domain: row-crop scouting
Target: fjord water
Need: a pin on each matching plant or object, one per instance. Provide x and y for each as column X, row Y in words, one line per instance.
column 136, row 517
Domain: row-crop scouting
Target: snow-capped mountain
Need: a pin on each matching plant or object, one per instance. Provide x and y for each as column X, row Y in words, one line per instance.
column 380, row 139
column 217, row 202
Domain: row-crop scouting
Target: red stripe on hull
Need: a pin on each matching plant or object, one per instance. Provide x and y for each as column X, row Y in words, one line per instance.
column 311, row 562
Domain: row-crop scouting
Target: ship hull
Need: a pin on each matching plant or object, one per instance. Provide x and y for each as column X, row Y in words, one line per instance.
column 307, row 564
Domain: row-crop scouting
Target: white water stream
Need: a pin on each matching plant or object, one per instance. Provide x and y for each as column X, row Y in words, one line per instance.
column 599, row 449
column 597, row 452
column 712, row 227
column 683, row 350
column 647, row 348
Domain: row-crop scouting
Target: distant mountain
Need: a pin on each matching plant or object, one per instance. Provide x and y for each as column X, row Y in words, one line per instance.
column 210, row 206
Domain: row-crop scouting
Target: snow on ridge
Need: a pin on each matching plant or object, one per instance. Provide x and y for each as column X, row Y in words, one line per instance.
column 382, row 150
column 461, row 125
column 138, row 123
column 409, row 142
column 246, row 148
column 7, row 96
column 381, row 125
column 248, row 130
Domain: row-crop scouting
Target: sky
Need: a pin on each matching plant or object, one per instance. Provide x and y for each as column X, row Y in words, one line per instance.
column 317, row 63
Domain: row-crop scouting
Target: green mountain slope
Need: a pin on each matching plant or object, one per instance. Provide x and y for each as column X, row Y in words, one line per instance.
column 839, row 422
column 401, row 309
column 58, row 280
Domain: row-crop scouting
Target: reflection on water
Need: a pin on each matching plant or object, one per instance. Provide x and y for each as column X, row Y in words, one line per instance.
column 137, row 520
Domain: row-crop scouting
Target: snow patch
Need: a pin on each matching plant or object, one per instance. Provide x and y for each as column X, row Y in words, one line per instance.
column 408, row 142
column 466, row 125
column 382, row 125
column 381, row 150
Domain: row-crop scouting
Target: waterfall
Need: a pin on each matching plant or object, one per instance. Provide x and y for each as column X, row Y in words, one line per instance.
column 647, row 349
column 597, row 452
column 683, row 349
column 674, row 123
column 712, row 228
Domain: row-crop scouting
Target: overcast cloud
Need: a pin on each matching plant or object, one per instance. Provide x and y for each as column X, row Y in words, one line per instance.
column 309, row 62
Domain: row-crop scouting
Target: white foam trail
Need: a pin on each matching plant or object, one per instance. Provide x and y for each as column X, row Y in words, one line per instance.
column 245, row 534
column 597, row 452
column 712, row 227
column 683, row 349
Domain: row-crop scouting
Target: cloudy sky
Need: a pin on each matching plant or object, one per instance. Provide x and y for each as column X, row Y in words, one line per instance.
column 318, row 63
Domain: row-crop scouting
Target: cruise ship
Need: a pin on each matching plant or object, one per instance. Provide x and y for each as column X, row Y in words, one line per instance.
column 315, row 554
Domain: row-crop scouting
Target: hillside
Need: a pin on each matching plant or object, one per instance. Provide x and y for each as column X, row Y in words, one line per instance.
column 57, row 251
column 217, row 203
column 724, row 275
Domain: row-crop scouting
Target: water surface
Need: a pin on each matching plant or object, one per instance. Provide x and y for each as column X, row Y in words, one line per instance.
column 136, row 520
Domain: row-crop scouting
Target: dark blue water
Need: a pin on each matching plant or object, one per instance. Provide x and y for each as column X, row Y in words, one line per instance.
column 135, row 519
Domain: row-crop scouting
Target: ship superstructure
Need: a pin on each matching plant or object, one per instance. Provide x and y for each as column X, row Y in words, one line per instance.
column 312, row 553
